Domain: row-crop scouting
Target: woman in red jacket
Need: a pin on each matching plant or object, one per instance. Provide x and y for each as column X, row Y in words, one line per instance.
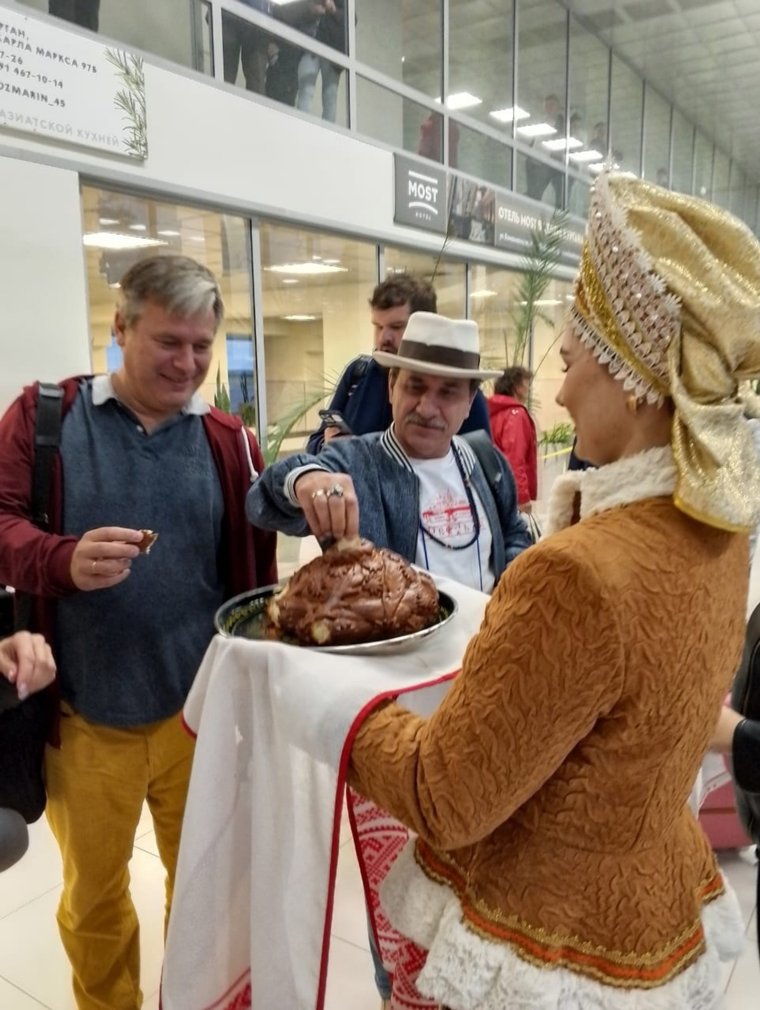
column 514, row 432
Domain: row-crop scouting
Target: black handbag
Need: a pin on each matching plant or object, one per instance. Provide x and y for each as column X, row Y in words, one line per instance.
column 745, row 698
column 25, row 726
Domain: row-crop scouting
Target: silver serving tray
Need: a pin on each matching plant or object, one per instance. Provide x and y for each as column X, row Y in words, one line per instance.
column 244, row 616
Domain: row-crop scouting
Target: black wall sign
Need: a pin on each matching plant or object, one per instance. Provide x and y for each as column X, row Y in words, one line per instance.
column 479, row 213
column 420, row 194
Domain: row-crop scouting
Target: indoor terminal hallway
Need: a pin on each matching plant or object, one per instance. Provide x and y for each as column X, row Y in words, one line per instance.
column 34, row 972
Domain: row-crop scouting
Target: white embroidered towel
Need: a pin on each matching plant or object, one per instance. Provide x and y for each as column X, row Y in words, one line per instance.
column 252, row 909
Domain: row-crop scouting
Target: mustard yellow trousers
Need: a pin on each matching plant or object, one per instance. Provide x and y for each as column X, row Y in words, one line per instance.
column 97, row 782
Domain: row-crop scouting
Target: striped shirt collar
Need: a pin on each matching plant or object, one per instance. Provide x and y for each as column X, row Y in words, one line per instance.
column 392, row 446
column 102, row 391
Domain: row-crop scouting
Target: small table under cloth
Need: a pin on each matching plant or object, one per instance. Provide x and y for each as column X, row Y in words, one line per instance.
column 252, row 907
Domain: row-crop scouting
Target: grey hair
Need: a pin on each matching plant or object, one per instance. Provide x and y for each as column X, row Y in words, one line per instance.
column 178, row 284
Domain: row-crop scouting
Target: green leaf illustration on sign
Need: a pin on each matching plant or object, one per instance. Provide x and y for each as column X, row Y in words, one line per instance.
column 131, row 100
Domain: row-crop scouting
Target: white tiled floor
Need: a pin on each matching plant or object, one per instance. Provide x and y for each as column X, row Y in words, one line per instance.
column 34, row 971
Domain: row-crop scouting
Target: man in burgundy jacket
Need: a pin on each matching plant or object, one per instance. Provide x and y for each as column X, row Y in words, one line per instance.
column 139, row 450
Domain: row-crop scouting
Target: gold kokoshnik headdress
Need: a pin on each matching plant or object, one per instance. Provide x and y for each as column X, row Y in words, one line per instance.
column 668, row 298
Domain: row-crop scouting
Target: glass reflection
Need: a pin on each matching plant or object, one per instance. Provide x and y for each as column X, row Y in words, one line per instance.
column 721, row 178
column 446, row 275
column 480, row 60
column 266, row 64
column 315, row 290
column 400, row 122
column 247, row 52
column 482, row 156
column 177, row 30
column 542, row 59
column 737, row 190
column 683, row 153
column 402, row 39
column 703, row 166
column 330, row 31
column 625, row 117
column 315, row 293
column 120, row 229
column 656, row 138
column 589, row 113
column 494, row 303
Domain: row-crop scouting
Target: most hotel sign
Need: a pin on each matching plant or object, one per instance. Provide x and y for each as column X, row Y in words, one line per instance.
column 505, row 219
column 60, row 85
column 420, row 194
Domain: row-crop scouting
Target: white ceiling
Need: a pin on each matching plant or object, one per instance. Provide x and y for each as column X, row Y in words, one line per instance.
column 703, row 55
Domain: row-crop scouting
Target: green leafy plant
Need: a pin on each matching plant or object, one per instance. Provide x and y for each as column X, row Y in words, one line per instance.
column 282, row 427
column 271, row 446
column 247, row 409
column 131, row 99
column 561, row 433
column 221, row 396
column 537, row 269
column 449, row 231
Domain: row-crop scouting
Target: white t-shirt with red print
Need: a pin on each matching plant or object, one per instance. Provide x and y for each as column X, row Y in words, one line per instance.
column 445, row 512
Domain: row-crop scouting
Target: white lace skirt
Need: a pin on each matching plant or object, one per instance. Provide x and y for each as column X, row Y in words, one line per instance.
column 464, row 971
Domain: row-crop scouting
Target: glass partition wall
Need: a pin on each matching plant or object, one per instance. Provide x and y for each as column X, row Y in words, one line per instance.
column 521, row 94
column 119, row 229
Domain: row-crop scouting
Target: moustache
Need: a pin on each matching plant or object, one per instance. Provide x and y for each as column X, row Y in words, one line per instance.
column 421, row 422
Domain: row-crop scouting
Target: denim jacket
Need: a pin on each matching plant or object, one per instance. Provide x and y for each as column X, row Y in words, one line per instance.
column 387, row 490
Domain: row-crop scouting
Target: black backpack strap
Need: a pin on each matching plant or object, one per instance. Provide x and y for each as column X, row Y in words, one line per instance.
column 358, row 371
column 47, row 438
column 485, row 453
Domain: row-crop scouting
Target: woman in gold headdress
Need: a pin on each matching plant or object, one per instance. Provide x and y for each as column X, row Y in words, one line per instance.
column 557, row 864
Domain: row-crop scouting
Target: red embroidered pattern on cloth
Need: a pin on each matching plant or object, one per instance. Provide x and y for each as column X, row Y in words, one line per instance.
column 238, row 998
column 379, row 840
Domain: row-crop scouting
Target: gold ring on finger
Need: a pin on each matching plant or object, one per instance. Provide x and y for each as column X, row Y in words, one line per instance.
column 336, row 491
column 320, row 493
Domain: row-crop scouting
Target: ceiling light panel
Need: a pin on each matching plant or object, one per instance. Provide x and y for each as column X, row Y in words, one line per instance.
column 562, row 144
column 310, row 269
column 536, row 130
column 463, row 100
column 511, row 114
column 115, row 240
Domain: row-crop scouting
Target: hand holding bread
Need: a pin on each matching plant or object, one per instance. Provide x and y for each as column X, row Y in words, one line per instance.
column 103, row 556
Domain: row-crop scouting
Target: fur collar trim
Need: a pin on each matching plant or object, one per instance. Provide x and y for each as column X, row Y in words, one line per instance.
column 648, row 474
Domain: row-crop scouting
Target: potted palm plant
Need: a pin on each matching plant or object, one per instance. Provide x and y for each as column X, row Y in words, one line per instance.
column 280, row 429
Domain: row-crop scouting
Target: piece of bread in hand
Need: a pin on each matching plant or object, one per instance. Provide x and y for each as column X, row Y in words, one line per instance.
column 148, row 539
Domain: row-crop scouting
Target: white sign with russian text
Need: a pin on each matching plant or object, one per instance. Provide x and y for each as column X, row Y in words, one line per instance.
column 60, row 85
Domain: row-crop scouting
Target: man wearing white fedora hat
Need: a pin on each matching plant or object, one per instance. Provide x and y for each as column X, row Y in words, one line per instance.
column 417, row 487
column 361, row 393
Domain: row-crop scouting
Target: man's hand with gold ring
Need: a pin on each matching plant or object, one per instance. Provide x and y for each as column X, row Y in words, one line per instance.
column 329, row 504
column 103, row 557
